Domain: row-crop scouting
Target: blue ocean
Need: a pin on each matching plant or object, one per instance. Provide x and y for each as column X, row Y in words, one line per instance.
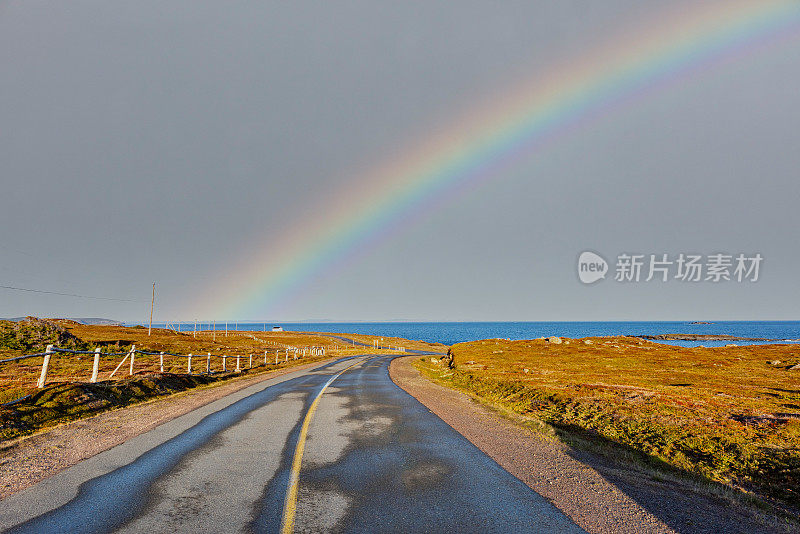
column 456, row 332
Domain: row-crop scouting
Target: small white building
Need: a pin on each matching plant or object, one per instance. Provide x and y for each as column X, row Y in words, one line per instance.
column 277, row 329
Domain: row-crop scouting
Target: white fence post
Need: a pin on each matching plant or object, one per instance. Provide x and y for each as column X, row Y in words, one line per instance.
column 162, row 361
column 133, row 353
column 189, row 364
column 238, row 366
column 45, row 366
column 224, row 365
column 251, row 362
column 95, row 365
column 208, row 364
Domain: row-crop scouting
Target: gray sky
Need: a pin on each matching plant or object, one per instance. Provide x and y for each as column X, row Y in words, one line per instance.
column 147, row 141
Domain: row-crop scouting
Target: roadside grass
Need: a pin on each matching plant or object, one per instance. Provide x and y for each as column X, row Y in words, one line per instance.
column 68, row 395
column 63, row 402
column 385, row 341
column 728, row 418
column 67, row 401
column 19, row 378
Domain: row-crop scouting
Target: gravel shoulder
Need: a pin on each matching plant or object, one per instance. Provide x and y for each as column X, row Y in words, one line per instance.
column 28, row 460
column 600, row 495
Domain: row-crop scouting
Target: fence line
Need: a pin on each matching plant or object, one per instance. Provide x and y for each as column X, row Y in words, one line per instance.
column 130, row 357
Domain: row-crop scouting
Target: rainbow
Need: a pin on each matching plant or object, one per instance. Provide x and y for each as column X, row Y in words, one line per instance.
column 660, row 53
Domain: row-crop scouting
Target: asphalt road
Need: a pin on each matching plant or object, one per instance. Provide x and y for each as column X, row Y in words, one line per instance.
column 338, row 448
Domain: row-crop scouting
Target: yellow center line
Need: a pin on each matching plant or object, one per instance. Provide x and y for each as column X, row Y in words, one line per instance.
column 290, row 504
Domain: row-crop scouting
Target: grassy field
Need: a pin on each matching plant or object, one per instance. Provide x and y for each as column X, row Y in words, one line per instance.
column 68, row 395
column 32, row 336
column 729, row 415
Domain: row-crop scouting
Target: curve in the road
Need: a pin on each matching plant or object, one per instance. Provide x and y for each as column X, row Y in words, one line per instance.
column 363, row 457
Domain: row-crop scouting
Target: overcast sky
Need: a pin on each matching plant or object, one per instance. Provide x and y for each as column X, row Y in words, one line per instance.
column 147, row 141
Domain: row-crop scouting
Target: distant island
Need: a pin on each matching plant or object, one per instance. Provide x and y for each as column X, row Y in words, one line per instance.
column 89, row 321
column 702, row 337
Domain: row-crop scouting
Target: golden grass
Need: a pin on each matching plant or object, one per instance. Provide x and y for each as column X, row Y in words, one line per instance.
column 69, row 396
column 19, row 378
column 731, row 415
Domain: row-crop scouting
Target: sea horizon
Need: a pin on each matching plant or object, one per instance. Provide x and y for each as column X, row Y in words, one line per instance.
column 450, row 332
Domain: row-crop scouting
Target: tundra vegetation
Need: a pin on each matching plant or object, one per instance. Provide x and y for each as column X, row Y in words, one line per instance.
column 68, row 394
column 727, row 415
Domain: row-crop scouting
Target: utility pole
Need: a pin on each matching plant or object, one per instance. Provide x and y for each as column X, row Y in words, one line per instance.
column 152, row 303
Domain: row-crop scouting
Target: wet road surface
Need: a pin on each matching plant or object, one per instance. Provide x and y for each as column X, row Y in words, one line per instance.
column 338, row 448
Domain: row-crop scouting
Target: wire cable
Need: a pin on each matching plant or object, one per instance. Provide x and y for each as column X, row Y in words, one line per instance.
column 68, row 294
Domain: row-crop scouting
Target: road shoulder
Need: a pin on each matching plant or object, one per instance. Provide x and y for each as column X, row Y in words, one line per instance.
column 28, row 460
column 597, row 494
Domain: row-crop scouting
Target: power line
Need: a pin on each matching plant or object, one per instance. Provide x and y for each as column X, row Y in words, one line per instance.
column 17, row 251
column 67, row 294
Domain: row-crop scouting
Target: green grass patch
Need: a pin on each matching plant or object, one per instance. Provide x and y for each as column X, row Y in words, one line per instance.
column 64, row 402
column 33, row 335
